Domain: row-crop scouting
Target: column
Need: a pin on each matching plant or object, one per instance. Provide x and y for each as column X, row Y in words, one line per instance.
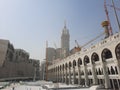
column 66, row 75
column 79, row 75
column 74, row 76
column 69, row 75
column 107, row 82
column 94, row 74
column 86, row 75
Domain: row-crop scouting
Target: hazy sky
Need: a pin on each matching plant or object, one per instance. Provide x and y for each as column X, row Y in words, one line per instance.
column 29, row 23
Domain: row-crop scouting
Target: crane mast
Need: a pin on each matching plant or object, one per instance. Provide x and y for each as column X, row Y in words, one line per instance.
column 106, row 11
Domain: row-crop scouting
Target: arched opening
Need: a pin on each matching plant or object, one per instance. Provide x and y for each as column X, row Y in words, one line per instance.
column 97, row 72
column 116, row 71
column 112, row 70
column 63, row 67
column 66, row 66
column 86, row 60
column 70, row 65
column 106, row 54
column 74, row 63
column 100, row 73
column 94, row 57
column 79, row 62
column 108, row 71
column 117, row 51
column 60, row 67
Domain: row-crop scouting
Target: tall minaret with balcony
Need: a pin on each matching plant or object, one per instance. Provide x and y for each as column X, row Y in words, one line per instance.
column 65, row 40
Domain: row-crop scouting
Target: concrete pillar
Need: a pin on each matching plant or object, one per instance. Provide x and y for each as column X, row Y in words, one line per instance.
column 79, row 75
column 86, row 75
column 118, row 84
column 94, row 75
column 70, row 75
column 74, row 76
column 118, row 67
column 66, row 75
column 107, row 81
column 63, row 76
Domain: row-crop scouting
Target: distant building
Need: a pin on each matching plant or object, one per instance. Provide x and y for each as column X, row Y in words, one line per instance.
column 21, row 55
column 51, row 53
column 42, row 70
column 65, row 40
column 15, row 63
column 6, row 51
column 60, row 53
column 36, row 69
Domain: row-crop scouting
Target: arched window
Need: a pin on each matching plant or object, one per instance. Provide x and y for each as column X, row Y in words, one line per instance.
column 106, row 54
column 117, row 51
column 86, row 60
column 79, row 62
column 74, row 63
column 94, row 57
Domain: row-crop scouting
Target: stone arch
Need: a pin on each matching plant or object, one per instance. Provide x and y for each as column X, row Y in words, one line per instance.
column 60, row 67
column 70, row 64
column 94, row 58
column 106, row 54
column 74, row 63
column 79, row 62
column 117, row 51
column 63, row 66
column 66, row 65
column 86, row 60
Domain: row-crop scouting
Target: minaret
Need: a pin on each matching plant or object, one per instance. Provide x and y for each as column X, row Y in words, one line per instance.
column 65, row 39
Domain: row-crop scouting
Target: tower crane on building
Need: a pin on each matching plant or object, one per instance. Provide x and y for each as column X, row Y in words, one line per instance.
column 106, row 11
column 78, row 48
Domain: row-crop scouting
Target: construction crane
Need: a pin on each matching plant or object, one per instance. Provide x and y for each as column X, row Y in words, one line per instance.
column 106, row 11
column 78, row 48
column 113, row 6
